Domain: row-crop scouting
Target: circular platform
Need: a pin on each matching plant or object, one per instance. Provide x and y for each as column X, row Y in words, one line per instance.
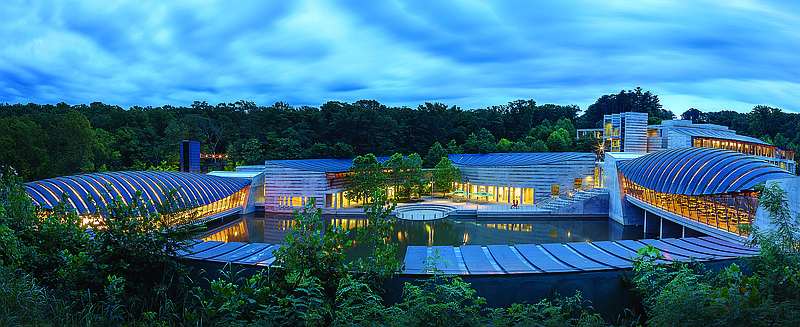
column 423, row 212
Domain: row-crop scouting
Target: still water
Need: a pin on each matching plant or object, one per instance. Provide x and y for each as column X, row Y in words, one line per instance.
column 272, row 228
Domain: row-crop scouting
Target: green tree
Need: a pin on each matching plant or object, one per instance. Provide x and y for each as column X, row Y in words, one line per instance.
column 778, row 263
column 312, row 249
column 381, row 264
column 539, row 146
column 247, row 151
column 781, row 141
column 453, row 148
column 366, row 176
column 558, row 141
column 482, row 142
column 412, row 176
column 405, row 173
column 435, row 153
column 520, row 147
column 625, row 101
column 22, row 146
column 695, row 115
column 542, row 131
column 588, row 143
column 566, row 124
column 445, row 176
column 504, row 145
column 76, row 152
column 765, row 120
column 394, row 176
column 288, row 149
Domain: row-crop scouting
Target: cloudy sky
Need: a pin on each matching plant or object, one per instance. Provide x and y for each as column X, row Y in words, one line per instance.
column 708, row 54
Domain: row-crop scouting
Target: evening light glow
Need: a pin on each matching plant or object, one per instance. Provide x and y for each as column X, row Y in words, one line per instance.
column 712, row 55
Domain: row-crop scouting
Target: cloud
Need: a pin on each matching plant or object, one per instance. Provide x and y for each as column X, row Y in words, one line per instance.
column 712, row 53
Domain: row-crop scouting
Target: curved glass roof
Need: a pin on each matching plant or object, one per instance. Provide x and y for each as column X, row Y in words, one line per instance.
column 696, row 171
column 205, row 189
column 515, row 159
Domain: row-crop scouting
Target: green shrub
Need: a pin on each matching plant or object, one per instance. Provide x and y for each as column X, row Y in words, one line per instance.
column 22, row 301
column 563, row 311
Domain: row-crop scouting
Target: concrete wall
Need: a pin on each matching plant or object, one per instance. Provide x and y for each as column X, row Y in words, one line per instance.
column 618, row 208
column 256, row 193
column 611, row 182
column 792, row 187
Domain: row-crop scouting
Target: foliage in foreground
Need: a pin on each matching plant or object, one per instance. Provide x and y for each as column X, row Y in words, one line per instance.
column 53, row 274
column 124, row 271
column 684, row 294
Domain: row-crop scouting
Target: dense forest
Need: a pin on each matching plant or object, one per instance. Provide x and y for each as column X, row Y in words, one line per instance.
column 43, row 141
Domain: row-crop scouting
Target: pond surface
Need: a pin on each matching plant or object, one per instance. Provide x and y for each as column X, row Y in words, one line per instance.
column 272, row 228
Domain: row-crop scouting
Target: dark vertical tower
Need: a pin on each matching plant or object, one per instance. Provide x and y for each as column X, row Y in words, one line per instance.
column 190, row 156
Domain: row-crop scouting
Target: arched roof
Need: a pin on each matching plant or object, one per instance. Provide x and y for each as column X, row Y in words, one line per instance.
column 204, row 189
column 696, row 171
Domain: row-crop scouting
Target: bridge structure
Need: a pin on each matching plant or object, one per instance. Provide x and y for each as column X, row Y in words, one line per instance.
column 690, row 191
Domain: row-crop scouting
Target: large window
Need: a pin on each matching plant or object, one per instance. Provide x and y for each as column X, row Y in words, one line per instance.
column 235, row 200
column 744, row 147
column 723, row 211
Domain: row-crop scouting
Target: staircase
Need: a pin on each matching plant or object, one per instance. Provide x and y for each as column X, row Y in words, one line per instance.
column 569, row 198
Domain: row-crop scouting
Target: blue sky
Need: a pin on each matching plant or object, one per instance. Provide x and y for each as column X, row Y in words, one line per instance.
column 708, row 54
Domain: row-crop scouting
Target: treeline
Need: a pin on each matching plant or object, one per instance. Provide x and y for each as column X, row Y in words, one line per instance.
column 42, row 141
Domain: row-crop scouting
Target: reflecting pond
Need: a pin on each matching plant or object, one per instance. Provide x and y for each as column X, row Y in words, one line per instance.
column 272, row 228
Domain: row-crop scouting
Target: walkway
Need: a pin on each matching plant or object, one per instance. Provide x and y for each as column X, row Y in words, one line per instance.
column 505, row 259
column 461, row 206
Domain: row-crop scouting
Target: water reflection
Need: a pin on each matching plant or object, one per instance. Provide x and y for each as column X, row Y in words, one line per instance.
column 244, row 228
column 468, row 232
column 272, row 229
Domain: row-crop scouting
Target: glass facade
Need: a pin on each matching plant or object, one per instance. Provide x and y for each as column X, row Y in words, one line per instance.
column 744, row 147
column 499, row 193
column 235, row 200
column 722, row 211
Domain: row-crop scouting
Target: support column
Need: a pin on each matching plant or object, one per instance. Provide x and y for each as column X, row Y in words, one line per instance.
column 644, row 231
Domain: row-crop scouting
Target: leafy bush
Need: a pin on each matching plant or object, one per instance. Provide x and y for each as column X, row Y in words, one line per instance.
column 777, row 266
column 125, row 272
column 563, row 311
column 442, row 300
column 22, row 301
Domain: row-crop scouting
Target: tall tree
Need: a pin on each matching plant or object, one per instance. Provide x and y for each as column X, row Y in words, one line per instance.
column 435, row 154
column 695, row 115
column 411, row 176
column 765, row 120
column 74, row 143
column 625, row 101
column 366, row 176
column 445, row 176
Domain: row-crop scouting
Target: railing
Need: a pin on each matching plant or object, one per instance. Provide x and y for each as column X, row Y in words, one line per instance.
column 722, row 211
